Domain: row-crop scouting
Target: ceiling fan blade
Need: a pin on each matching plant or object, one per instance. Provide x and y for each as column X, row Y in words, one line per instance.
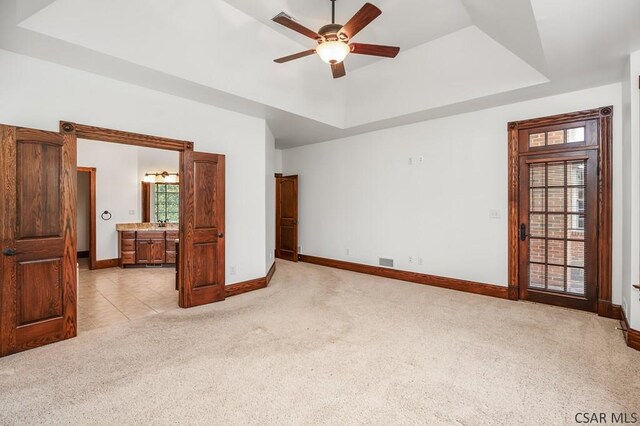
column 361, row 19
column 293, row 25
column 338, row 70
column 374, row 50
column 295, row 56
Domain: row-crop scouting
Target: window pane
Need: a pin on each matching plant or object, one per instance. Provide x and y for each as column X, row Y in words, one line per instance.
column 556, row 174
column 536, row 275
column 537, row 200
column 556, row 199
column 167, row 202
column 555, row 252
column 537, row 175
column 555, row 278
column 575, row 226
column 537, row 250
column 555, row 227
column 537, row 139
column 575, row 173
column 536, row 225
column 575, row 253
column 575, row 280
column 555, row 138
column 576, row 200
column 575, row 135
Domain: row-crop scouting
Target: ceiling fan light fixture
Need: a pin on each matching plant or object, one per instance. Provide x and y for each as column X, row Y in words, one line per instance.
column 333, row 52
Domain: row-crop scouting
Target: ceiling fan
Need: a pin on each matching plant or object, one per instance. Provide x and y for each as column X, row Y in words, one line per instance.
column 333, row 39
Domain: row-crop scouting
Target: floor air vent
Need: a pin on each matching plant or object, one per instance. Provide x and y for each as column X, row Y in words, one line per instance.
column 385, row 262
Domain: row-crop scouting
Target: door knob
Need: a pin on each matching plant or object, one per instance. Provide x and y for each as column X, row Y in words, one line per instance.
column 220, row 235
column 9, row 252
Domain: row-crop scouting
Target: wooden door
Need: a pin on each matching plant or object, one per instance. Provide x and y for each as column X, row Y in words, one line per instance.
column 202, row 248
column 558, row 253
column 287, row 217
column 38, row 229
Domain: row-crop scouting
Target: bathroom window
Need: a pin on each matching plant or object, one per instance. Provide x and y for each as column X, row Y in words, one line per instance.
column 167, row 202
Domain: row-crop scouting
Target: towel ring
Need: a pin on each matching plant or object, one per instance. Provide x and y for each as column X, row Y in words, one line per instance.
column 106, row 215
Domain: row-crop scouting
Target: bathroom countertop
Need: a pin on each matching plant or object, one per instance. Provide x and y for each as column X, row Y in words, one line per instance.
column 145, row 227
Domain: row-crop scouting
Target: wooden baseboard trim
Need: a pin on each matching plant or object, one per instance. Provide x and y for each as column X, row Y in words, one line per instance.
column 631, row 336
column 250, row 285
column 107, row 263
column 609, row 310
column 272, row 271
column 414, row 277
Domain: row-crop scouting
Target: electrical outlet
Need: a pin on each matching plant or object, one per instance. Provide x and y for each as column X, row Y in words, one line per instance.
column 494, row 214
column 346, row 251
column 420, row 261
column 233, row 270
column 421, row 159
column 132, row 212
column 410, row 259
column 410, row 161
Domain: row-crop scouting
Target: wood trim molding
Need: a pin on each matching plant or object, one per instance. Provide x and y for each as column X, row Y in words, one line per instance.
column 92, row 214
column 271, row 271
column 413, row 277
column 102, row 134
column 250, row 285
column 631, row 336
column 604, row 117
column 146, row 202
column 609, row 310
column 107, row 263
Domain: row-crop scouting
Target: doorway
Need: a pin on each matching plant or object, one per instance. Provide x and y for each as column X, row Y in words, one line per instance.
column 287, row 217
column 86, row 222
column 38, row 214
column 560, row 211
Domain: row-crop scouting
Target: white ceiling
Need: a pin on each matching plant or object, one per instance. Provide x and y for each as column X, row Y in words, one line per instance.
column 457, row 55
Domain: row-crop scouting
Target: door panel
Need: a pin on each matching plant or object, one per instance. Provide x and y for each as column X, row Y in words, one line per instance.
column 287, row 217
column 202, row 240
column 558, row 241
column 37, row 226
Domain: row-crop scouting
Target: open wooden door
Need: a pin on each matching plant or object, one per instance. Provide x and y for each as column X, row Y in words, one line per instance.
column 37, row 227
column 287, row 217
column 202, row 267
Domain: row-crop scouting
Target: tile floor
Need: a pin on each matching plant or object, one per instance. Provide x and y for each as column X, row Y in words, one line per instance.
column 115, row 295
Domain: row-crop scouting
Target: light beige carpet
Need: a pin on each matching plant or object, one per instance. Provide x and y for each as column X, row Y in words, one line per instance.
column 323, row 346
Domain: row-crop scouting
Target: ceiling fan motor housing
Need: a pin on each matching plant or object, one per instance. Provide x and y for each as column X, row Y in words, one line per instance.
column 331, row 32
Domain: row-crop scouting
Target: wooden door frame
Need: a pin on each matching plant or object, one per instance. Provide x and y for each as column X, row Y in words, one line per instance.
column 101, row 134
column 604, row 116
column 92, row 214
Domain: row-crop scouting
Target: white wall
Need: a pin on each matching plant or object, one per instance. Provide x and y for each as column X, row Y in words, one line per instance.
column 117, row 189
column 278, row 161
column 360, row 193
column 630, row 302
column 84, row 204
column 38, row 94
column 270, row 197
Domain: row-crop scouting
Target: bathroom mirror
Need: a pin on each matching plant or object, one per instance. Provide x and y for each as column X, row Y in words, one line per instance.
column 160, row 202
